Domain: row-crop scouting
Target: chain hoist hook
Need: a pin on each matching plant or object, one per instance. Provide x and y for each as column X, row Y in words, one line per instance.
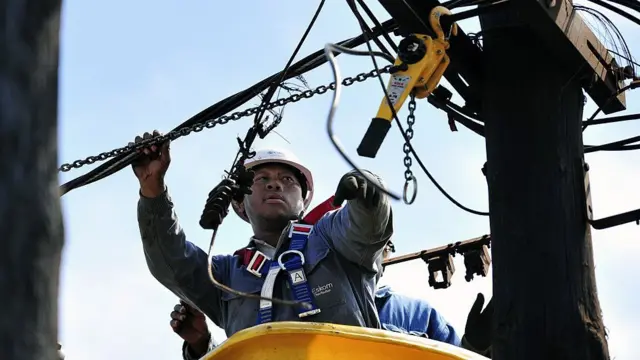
column 414, row 193
column 435, row 18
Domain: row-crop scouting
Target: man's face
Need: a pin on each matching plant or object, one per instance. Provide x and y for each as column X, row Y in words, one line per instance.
column 277, row 194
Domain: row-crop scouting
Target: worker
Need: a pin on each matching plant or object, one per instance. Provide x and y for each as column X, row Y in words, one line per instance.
column 407, row 315
column 413, row 316
column 191, row 325
column 397, row 313
column 331, row 265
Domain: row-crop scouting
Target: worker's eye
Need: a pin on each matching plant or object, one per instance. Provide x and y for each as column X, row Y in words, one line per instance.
column 288, row 179
column 261, row 178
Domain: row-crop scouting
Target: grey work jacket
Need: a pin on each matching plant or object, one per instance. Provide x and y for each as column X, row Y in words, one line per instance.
column 343, row 256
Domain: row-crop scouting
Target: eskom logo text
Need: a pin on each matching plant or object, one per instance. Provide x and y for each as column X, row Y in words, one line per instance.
column 322, row 289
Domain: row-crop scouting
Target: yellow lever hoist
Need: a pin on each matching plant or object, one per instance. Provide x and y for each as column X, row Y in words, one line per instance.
column 421, row 63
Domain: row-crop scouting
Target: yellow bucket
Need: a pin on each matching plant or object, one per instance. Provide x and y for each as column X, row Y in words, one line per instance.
column 318, row 341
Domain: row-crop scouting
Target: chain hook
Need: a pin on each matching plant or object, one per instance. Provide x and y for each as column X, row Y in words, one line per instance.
column 436, row 25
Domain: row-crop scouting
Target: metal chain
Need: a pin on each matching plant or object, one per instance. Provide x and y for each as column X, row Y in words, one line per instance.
column 406, row 148
column 211, row 123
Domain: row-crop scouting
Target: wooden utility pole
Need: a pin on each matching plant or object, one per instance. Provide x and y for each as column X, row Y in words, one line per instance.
column 544, row 288
column 525, row 82
column 31, row 233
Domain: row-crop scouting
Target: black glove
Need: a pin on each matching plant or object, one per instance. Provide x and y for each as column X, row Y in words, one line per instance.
column 354, row 186
column 233, row 188
column 217, row 206
column 478, row 328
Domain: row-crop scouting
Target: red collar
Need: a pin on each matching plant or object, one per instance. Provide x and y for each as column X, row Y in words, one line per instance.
column 318, row 212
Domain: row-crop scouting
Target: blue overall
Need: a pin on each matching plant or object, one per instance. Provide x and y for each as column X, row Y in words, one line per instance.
column 342, row 257
column 407, row 315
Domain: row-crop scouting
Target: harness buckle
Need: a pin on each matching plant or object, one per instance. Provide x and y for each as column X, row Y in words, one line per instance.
column 257, row 263
column 302, row 229
column 309, row 313
column 287, row 252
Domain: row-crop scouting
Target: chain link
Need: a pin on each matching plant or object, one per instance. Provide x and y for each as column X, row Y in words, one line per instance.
column 406, row 148
column 211, row 123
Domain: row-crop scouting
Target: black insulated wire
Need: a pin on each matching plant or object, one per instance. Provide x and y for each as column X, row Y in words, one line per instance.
column 631, row 4
column 237, row 174
column 272, row 89
column 616, row 10
column 375, row 21
column 455, row 112
column 222, row 107
column 613, row 119
column 376, row 40
column 612, row 146
column 633, row 85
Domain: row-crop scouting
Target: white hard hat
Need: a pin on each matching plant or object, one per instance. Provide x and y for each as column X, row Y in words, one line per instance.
column 277, row 156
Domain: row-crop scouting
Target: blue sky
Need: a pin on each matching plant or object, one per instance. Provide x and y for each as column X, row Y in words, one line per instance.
column 130, row 67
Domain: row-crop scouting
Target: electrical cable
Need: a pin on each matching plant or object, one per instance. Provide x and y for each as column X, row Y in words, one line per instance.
column 631, row 4
column 453, row 4
column 484, row 6
column 222, row 107
column 631, row 60
column 378, row 42
column 611, row 31
column 634, row 84
column 272, row 89
column 402, row 131
column 612, row 146
column 613, row 119
column 616, row 10
column 244, row 152
column 454, row 112
column 329, row 49
column 375, row 21
column 629, row 147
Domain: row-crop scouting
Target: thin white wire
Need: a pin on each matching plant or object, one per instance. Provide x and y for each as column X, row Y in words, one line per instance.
column 329, row 49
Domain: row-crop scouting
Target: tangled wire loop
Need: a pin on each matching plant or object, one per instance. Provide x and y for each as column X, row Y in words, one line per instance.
column 211, row 123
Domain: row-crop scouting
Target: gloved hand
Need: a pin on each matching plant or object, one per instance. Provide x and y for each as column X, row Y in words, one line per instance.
column 217, row 206
column 191, row 325
column 354, row 186
column 479, row 325
column 215, row 210
column 151, row 168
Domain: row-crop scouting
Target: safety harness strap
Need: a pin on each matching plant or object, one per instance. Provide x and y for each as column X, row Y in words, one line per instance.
column 292, row 261
column 257, row 262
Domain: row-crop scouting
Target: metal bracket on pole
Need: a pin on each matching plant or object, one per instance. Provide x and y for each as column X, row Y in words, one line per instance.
column 574, row 46
column 440, row 260
column 609, row 221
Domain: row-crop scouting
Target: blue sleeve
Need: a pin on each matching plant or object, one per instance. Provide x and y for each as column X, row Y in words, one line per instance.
column 439, row 329
column 175, row 262
column 357, row 232
column 416, row 316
